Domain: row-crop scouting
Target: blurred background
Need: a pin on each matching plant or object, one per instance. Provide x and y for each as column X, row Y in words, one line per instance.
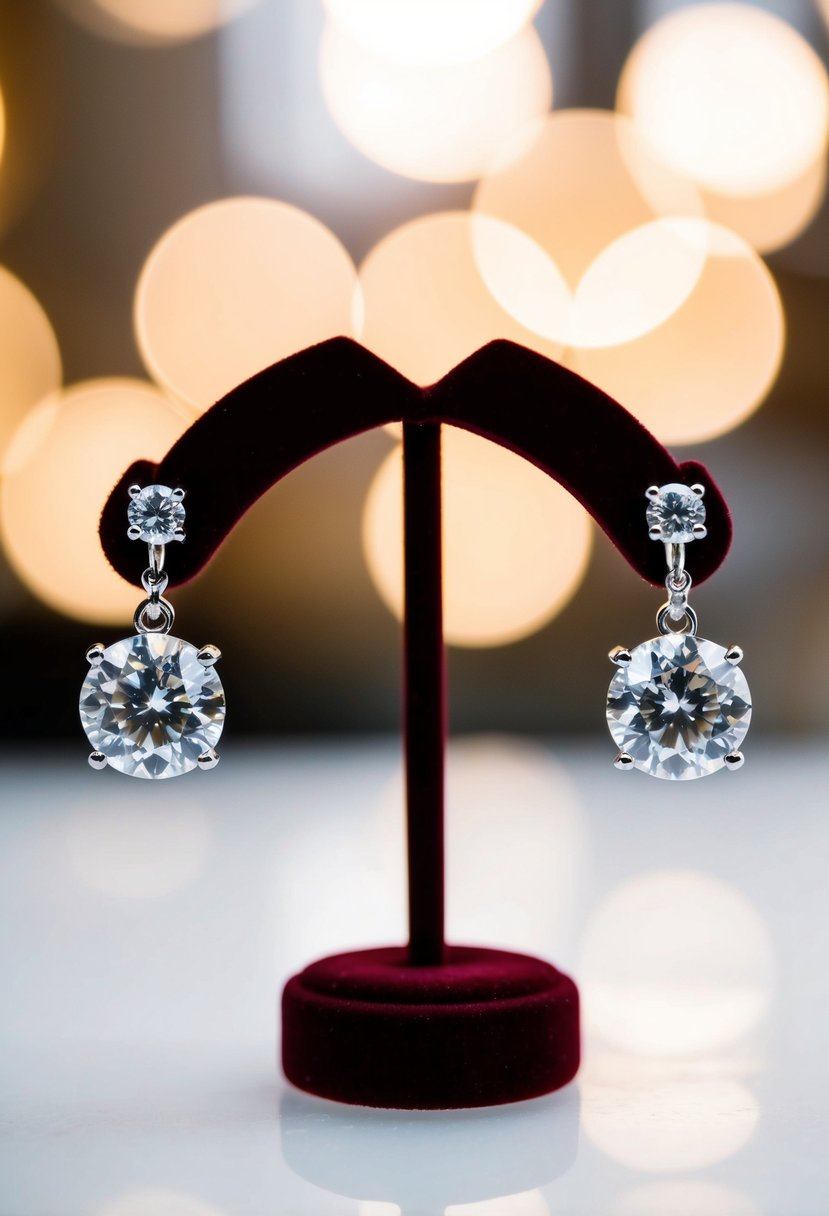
column 191, row 190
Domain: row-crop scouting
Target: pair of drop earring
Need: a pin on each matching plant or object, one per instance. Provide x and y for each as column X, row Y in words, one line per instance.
column 678, row 707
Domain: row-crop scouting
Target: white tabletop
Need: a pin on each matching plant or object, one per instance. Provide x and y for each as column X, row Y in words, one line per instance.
column 146, row 931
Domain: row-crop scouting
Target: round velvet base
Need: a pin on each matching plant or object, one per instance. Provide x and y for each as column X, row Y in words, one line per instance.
column 484, row 1027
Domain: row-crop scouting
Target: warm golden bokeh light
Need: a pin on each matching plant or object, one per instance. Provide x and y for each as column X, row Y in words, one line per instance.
column 61, row 465
column 235, row 286
column 30, row 365
column 586, row 193
column 515, row 544
column 770, row 221
column 675, row 963
column 430, row 33
column 152, row 22
column 440, row 124
column 685, row 1197
column 661, row 1120
column 729, row 95
column 2, row 126
column 426, row 307
column 708, row 367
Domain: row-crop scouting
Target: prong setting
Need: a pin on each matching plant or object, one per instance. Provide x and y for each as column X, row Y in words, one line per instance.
column 652, row 492
column 209, row 655
column 655, row 533
column 178, row 494
column 698, row 489
column 620, row 655
column 134, row 491
column 95, row 653
column 208, row 759
column 623, row 762
column 734, row 655
column 178, row 534
column 700, row 531
column 134, row 532
column 734, row 760
column 97, row 760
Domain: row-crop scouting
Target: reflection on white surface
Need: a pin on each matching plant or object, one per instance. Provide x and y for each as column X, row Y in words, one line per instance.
column 659, row 1119
column 688, row 1197
column 529, row 1203
column 675, row 962
column 374, row 1207
column 157, row 1203
column 517, row 843
column 139, row 848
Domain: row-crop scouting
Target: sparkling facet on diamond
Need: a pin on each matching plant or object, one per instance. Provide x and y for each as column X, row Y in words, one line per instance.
column 151, row 707
column 673, row 511
column 156, row 515
column 679, row 708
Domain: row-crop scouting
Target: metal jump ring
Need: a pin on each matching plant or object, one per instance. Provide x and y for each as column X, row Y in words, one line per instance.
column 154, row 584
column 663, row 616
column 154, row 616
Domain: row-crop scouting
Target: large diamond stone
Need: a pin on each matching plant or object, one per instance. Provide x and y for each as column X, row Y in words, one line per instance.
column 679, row 707
column 157, row 513
column 151, row 707
column 674, row 511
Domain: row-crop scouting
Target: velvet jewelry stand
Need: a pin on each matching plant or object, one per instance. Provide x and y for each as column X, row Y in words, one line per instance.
column 427, row 1025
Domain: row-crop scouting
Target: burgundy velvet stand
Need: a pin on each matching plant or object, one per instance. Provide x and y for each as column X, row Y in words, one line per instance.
column 427, row 1025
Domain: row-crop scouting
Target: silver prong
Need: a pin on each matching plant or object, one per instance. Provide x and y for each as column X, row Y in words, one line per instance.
column 698, row 489
column 178, row 534
column 178, row 494
column 655, row 533
column 208, row 759
column 620, row 655
column 134, row 532
column 700, row 531
column 95, row 653
column 208, row 655
column 734, row 655
column 734, row 760
column 97, row 760
column 623, row 762
column 134, row 491
column 652, row 492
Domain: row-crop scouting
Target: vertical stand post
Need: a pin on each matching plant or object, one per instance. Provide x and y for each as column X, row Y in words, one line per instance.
column 425, row 690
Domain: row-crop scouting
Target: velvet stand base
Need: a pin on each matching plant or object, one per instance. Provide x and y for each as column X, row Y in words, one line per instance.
column 483, row 1028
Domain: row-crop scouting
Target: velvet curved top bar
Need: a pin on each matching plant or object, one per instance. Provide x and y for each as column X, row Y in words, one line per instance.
column 295, row 409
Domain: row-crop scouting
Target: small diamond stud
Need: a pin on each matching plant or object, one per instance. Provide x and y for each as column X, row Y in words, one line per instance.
column 675, row 513
column 155, row 515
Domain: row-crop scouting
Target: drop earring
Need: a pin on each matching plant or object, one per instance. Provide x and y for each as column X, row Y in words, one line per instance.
column 152, row 705
column 679, row 706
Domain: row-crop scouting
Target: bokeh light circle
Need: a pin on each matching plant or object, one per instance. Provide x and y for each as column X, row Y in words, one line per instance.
column 728, row 95
column 440, row 124
column 586, row 192
column 154, row 22
column 515, row 544
column 235, row 286
column 675, row 963
column 426, row 307
column 30, row 364
column 709, row 366
column 431, row 32
column 61, row 465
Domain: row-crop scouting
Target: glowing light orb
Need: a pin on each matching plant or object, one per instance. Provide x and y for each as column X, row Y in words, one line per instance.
column 685, row 1197
column 442, row 124
column 61, row 465
column 235, row 286
column 426, row 307
column 30, row 365
column 771, row 220
column 730, row 96
column 151, row 22
column 515, row 544
column 675, row 963
column 709, row 366
column 666, row 1124
column 431, row 32
column 586, row 193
